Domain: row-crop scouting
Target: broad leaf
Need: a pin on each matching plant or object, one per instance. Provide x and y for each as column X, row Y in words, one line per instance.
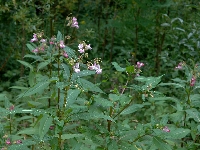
column 36, row 89
column 160, row 144
column 70, row 136
column 117, row 67
column 66, row 73
column 45, row 123
column 26, row 64
column 82, row 74
column 132, row 109
column 72, row 95
column 87, row 85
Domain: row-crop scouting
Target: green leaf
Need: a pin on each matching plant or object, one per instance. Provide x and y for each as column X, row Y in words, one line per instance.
column 36, row 57
column 160, row 144
column 66, row 73
column 90, row 116
column 117, row 67
column 36, row 89
column 43, row 64
column 60, row 85
column 193, row 113
column 132, row 109
column 19, row 87
column 130, row 69
column 45, row 123
column 30, row 47
column 102, row 102
column 72, row 95
column 177, row 133
column 82, row 74
column 26, row 64
column 70, row 136
column 70, row 52
column 59, row 36
column 22, row 146
column 28, row 131
column 87, row 85
column 176, row 85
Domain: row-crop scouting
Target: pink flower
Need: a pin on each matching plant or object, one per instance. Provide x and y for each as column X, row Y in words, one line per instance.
column 62, row 45
column 166, row 129
column 139, row 64
column 34, row 38
column 74, row 23
column 95, row 67
column 88, row 47
column 51, row 127
column 80, row 46
column 76, row 68
column 35, row 50
column 8, row 142
column 43, row 40
column 18, row 142
column 11, row 107
column 180, row 66
column 65, row 55
column 81, row 50
column 192, row 81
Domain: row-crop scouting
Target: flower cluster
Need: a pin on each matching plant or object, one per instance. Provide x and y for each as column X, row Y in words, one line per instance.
column 138, row 66
column 192, row 81
column 8, row 141
column 83, row 47
column 166, row 129
column 180, row 66
column 72, row 22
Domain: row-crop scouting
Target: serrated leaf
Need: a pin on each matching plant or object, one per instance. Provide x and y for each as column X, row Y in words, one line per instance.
column 90, row 116
column 66, row 73
column 87, row 85
column 59, row 36
column 176, row 133
column 30, row 47
column 28, row 131
column 82, row 74
column 70, row 136
column 132, row 109
column 45, row 123
column 193, row 113
column 37, row 88
column 22, row 146
column 26, row 64
column 176, row 85
column 117, row 67
column 70, row 52
column 36, row 57
column 103, row 102
column 160, row 144
column 19, row 87
column 42, row 65
column 72, row 95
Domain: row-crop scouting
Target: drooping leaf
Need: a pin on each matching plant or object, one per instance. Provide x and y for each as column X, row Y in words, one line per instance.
column 19, row 87
column 66, row 73
column 28, row 131
column 117, row 67
column 45, row 123
column 160, row 144
column 42, row 65
column 193, row 113
column 87, row 85
column 30, row 47
column 70, row 52
column 26, row 64
column 82, row 74
column 70, row 136
column 59, row 36
column 36, row 57
column 36, row 89
column 22, row 146
column 72, row 95
column 132, row 109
